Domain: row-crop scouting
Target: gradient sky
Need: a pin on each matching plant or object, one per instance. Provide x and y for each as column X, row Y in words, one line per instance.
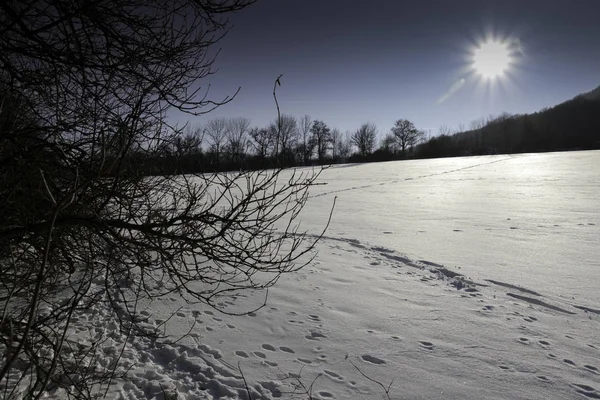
column 349, row 62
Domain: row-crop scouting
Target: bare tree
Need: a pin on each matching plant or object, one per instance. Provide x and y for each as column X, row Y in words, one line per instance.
column 237, row 128
column 306, row 145
column 444, row 130
column 477, row 124
column 262, row 141
column 189, row 143
column 285, row 130
column 85, row 88
column 216, row 130
column 336, row 139
column 344, row 147
column 389, row 143
column 322, row 137
column 405, row 134
column 364, row 138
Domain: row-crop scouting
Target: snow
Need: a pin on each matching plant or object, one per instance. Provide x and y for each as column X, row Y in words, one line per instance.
column 464, row 278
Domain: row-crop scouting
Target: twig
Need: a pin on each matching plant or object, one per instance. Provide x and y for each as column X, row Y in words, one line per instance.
column 385, row 389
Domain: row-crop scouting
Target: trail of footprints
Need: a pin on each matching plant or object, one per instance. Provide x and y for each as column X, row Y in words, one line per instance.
column 583, row 389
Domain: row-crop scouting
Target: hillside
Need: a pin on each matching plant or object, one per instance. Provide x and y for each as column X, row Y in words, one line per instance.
column 571, row 125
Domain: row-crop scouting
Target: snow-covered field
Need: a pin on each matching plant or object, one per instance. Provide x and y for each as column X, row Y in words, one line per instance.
column 464, row 278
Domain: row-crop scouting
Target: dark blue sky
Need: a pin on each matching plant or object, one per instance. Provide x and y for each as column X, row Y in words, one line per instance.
column 349, row 62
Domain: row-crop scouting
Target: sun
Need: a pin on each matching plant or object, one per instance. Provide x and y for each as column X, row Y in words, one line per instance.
column 491, row 59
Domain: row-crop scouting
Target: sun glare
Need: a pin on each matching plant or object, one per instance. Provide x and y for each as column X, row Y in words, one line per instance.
column 491, row 59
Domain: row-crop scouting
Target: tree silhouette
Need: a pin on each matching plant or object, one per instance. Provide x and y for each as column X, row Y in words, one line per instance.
column 85, row 87
column 322, row 137
column 406, row 134
column 364, row 139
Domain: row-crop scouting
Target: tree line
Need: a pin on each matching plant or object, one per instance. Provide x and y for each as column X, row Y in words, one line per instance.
column 233, row 143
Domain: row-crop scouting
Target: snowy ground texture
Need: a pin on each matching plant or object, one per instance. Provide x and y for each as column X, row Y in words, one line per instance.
column 467, row 278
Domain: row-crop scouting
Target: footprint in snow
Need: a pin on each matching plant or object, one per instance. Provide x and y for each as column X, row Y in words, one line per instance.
column 544, row 344
column 314, row 335
column 286, row 349
column 372, row 359
column 591, row 368
column 333, row 375
column 586, row 390
column 523, row 340
column 426, row 345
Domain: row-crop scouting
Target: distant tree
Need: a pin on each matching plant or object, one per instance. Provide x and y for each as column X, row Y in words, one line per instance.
column 237, row 142
column 262, row 141
column 389, row 144
column 444, row 130
column 216, row 130
column 322, row 137
column 477, row 124
column 406, row 134
column 344, row 147
column 364, row 138
column 306, row 144
column 288, row 134
column 336, row 141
